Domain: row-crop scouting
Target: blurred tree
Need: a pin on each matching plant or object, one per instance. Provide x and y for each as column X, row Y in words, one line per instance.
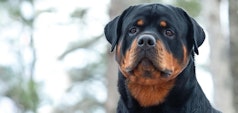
column 233, row 20
column 219, row 63
column 82, row 78
column 116, row 7
column 21, row 87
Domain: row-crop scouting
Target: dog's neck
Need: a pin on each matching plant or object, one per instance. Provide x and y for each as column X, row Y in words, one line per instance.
column 183, row 90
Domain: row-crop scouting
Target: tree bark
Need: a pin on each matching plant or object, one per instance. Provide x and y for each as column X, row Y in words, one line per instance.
column 112, row 93
column 116, row 8
column 233, row 19
column 219, row 62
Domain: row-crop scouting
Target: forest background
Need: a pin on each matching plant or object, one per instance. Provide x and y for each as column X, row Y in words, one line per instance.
column 54, row 57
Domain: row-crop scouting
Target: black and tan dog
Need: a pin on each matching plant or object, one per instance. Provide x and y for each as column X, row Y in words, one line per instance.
column 155, row 46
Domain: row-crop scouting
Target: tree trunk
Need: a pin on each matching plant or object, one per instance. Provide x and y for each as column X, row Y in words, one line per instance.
column 233, row 19
column 112, row 93
column 115, row 9
column 219, row 63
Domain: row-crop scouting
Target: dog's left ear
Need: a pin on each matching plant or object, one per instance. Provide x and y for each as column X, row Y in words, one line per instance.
column 112, row 30
column 196, row 31
column 198, row 35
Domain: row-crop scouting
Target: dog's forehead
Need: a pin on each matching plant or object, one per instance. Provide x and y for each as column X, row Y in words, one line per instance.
column 153, row 10
column 155, row 13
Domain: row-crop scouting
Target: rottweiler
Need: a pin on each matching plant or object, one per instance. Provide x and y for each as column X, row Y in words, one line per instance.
column 155, row 46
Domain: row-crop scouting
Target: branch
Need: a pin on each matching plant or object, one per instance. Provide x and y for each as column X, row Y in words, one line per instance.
column 78, row 45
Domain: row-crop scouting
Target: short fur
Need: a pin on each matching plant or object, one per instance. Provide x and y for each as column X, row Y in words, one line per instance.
column 155, row 46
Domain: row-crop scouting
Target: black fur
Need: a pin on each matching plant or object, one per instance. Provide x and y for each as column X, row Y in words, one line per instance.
column 186, row 96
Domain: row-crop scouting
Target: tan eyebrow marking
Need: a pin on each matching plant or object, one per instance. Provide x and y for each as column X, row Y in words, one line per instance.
column 163, row 23
column 140, row 22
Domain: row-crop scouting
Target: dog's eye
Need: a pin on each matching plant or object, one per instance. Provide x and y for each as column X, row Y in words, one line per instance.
column 169, row 32
column 133, row 30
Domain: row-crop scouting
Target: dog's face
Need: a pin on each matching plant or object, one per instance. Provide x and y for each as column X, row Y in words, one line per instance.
column 153, row 43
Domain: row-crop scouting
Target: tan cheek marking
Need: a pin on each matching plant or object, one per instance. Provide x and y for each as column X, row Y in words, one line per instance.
column 167, row 60
column 140, row 22
column 185, row 55
column 164, row 59
column 180, row 65
column 128, row 59
column 163, row 23
column 118, row 53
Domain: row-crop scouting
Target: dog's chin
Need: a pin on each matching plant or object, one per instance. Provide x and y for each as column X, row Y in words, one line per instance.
column 147, row 66
column 144, row 64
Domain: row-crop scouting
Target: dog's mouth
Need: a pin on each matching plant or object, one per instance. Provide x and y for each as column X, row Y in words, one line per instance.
column 148, row 63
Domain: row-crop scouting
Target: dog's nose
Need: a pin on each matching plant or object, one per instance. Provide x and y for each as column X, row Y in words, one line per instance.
column 146, row 41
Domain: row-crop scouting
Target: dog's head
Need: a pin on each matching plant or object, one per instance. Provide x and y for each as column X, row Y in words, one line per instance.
column 153, row 42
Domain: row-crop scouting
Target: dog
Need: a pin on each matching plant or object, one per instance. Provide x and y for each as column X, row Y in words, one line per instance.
column 155, row 46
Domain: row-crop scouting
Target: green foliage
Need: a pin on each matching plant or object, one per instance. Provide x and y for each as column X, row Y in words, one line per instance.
column 12, row 8
column 25, row 95
column 23, row 92
column 192, row 6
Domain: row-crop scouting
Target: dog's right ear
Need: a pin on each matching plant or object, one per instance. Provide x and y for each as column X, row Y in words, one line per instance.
column 113, row 29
